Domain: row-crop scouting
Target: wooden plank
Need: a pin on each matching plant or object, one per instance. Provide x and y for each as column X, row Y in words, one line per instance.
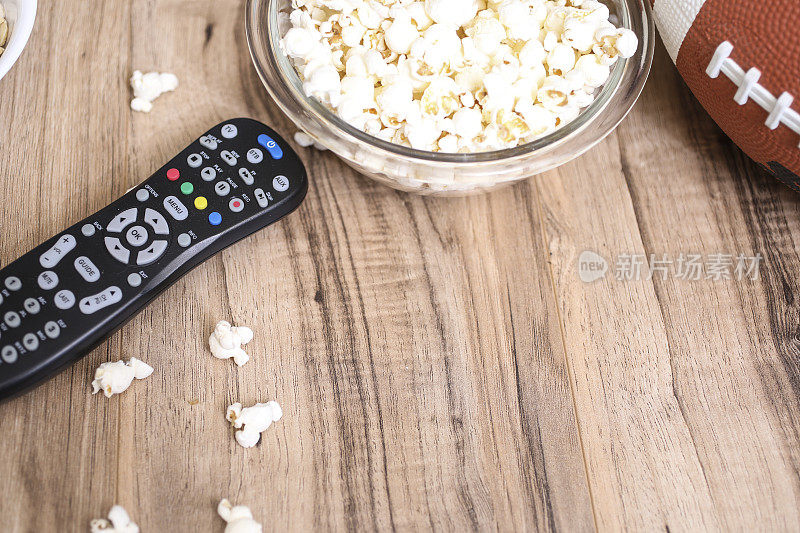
column 413, row 343
column 686, row 390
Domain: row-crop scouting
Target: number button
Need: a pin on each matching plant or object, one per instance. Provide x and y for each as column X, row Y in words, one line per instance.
column 254, row 155
column 30, row 342
column 229, row 131
column 12, row 319
column 13, row 283
column 8, row 354
column 32, row 306
column 222, row 188
column 52, row 330
column 280, row 183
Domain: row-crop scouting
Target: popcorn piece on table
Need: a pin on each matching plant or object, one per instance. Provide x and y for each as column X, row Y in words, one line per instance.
column 148, row 87
column 239, row 518
column 114, row 378
column 305, row 140
column 118, row 522
column 226, row 342
column 252, row 420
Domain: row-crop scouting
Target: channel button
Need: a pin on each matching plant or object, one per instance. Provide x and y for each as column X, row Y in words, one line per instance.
column 92, row 304
column 175, row 208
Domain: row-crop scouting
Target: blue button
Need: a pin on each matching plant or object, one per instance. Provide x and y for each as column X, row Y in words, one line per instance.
column 215, row 218
column 271, row 146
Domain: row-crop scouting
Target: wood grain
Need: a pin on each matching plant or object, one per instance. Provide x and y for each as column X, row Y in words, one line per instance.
column 440, row 363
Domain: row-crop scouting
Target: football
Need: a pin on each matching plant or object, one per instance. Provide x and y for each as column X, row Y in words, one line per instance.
column 741, row 59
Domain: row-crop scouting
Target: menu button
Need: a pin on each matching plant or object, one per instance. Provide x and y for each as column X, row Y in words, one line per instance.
column 175, row 208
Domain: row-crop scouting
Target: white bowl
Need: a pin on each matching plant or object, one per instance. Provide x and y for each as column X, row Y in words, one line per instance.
column 20, row 15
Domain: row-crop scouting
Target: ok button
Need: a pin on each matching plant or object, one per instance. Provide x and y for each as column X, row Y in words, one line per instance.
column 136, row 236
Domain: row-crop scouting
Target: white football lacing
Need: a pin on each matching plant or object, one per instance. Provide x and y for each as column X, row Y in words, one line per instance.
column 779, row 109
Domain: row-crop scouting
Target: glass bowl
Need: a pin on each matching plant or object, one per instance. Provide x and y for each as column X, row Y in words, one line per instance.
column 427, row 172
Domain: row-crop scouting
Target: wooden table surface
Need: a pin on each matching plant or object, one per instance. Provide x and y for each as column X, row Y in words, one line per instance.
column 439, row 361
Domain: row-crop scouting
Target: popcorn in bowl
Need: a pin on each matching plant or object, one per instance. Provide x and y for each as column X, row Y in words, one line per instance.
column 3, row 30
column 458, row 76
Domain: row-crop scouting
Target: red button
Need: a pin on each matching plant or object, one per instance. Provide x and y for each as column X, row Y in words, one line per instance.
column 236, row 204
column 173, row 174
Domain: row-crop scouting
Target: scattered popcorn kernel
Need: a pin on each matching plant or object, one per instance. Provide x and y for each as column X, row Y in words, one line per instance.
column 114, row 378
column 118, row 522
column 238, row 518
column 252, row 421
column 226, row 342
column 148, row 87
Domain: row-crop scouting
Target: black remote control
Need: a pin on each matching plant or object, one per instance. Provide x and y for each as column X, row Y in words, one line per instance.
column 67, row 295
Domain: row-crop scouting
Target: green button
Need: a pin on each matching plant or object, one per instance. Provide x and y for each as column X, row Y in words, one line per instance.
column 187, row 188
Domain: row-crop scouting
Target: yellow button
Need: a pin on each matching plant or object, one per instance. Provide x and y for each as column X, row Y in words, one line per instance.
column 200, row 202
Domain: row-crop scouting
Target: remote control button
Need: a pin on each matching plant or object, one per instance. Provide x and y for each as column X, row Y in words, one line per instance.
column 208, row 142
column 64, row 299
column 136, row 236
column 12, row 319
column 142, row 195
column 52, row 330
column 123, row 220
column 246, row 175
column 255, row 156
column 184, row 240
column 13, row 283
column 173, row 174
column 222, row 188
column 208, row 174
column 280, row 183
column 156, row 221
column 32, row 306
column 235, row 205
column 87, row 269
column 228, row 157
column 215, row 218
column 187, row 188
column 88, row 230
column 175, row 208
column 92, row 304
column 194, row 160
column 30, row 342
column 200, row 202
column 229, row 131
column 261, row 198
column 117, row 250
column 62, row 247
column 48, row 280
column 134, row 280
column 151, row 253
column 8, row 354
column 1, row 299
column 272, row 147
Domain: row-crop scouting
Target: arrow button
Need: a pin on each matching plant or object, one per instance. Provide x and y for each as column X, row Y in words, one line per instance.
column 122, row 221
column 151, row 253
column 117, row 250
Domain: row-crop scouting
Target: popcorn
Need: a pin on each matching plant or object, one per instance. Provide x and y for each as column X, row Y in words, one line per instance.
column 453, row 13
column 114, row 378
column 305, row 140
column 454, row 75
column 252, row 420
column 239, row 518
column 148, row 87
column 118, row 522
column 226, row 342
